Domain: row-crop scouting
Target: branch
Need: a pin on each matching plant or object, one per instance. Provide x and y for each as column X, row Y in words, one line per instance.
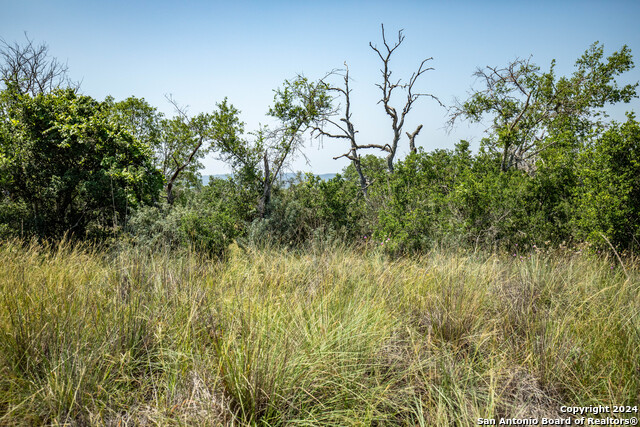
column 321, row 132
column 29, row 68
column 347, row 155
column 412, row 137
column 385, row 147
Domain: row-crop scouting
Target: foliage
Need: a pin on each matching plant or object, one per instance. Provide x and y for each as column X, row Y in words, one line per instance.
column 551, row 169
column 180, row 143
column 296, row 106
column 420, row 201
column 608, row 201
column 532, row 111
column 452, row 197
column 67, row 167
column 374, row 165
column 208, row 220
column 311, row 211
column 184, row 142
column 143, row 122
column 297, row 103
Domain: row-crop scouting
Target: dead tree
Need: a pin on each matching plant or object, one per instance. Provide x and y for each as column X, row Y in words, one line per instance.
column 387, row 87
column 29, row 69
column 344, row 128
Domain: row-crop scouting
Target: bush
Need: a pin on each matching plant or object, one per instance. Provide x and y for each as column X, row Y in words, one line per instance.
column 207, row 220
column 608, row 201
column 310, row 210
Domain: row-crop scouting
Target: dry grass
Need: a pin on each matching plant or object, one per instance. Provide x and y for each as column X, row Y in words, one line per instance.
column 339, row 337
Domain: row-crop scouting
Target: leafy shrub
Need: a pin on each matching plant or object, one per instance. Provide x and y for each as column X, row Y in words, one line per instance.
column 418, row 203
column 608, row 201
column 208, row 220
column 310, row 210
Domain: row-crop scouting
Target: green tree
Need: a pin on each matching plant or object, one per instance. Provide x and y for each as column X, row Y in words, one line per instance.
column 66, row 166
column 297, row 105
column 259, row 162
column 311, row 210
column 181, row 142
column 416, row 204
column 532, row 111
column 143, row 121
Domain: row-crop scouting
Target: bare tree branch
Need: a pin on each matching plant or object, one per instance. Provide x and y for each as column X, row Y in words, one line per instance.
column 412, row 137
column 182, row 111
column 387, row 87
column 29, row 69
column 347, row 128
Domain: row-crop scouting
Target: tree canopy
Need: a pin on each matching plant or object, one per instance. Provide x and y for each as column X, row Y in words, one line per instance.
column 532, row 110
column 553, row 168
column 67, row 166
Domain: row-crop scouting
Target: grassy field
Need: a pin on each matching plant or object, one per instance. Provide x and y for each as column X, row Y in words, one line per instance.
column 338, row 337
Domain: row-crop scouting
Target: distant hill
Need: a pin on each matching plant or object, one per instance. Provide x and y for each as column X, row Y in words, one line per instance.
column 285, row 176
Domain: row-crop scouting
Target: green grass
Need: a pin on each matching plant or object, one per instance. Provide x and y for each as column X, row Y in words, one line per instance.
column 341, row 337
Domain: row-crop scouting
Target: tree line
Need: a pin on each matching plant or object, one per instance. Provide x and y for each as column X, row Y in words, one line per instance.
column 553, row 168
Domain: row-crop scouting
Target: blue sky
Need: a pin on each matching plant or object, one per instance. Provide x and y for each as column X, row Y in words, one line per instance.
column 203, row 51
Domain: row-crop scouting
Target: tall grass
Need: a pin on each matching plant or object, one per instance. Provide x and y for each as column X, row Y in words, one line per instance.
column 338, row 337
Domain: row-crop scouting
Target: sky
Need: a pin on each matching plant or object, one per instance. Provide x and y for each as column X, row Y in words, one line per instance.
column 200, row 52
